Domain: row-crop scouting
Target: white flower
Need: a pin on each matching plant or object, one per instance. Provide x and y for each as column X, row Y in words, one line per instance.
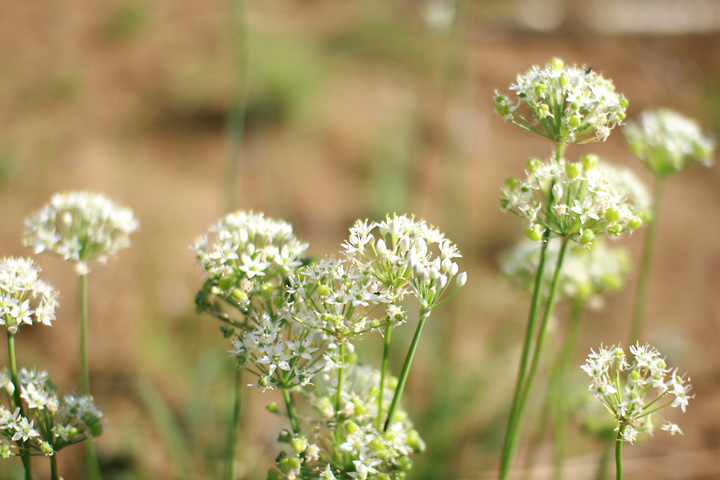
column 81, row 227
column 24, row 298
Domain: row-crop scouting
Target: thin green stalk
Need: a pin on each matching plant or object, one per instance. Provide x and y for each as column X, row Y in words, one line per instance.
column 236, row 117
column 292, row 411
column 605, row 456
column 646, row 263
column 514, row 427
column 235, row 428
column 54, row 475
column 534, row 309
column 559, row 387
column 383, row 371
column 17, row 403
column 618, row 452
column 338, row 395
column 91, row 461
column 424, row 314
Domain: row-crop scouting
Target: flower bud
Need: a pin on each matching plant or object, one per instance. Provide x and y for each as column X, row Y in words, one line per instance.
column 589, row 161
column 461, row 279
column 323, row 290
column 572, row 170
column 557, row 64
column 535, row 232
column 557, row 191
column 574, row 121
column 587, row 237
column 226, row 331
column 274, row 474
column 612, row 215
column 239, row 295
column 351, row 427
column 533, row 164
column 284, row 437
column 635, row 223
column 289, row 464
column 299, row 443
column 267, row 289
column 272, row 407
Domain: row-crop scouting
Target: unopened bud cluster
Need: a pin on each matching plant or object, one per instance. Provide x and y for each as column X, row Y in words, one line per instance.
column 667, row 142
column 575, row 200
column 81, row 227
column 633, row 389
column 565, row 104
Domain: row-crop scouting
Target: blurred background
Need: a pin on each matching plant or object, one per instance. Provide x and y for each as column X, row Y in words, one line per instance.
column 338, row 110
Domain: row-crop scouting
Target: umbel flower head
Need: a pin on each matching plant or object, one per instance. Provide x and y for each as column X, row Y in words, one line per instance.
column 50, row 423
column 587, row 274
column 576, row 200
column 565, row 104
column 347, row 444
column 632, row 390
column 667, row 142
column 407, row 255
column 81, row 227
column 24, row 298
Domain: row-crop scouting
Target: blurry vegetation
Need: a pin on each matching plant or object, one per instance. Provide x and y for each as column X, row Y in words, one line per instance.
column 8, row 164
column 127, row 20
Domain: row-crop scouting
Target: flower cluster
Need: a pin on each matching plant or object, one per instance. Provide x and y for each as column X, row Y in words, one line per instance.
column 80, row 226
column 629, row 399
column 24, row 298
column 405, row 253
column 47, row 423
column 578, row 200
column 667, row 142
column 586, row 275
column 364, row 451
column 566, row 104
column 341, row 300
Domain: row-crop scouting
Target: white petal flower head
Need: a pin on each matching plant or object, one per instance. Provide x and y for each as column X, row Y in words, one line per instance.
column 24, row 298
column 667, row 142
column 81, row 227
column 565, row 104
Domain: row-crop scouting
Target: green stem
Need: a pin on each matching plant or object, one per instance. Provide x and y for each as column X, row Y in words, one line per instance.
column 646, row 264
column 91, row 461
column 17, row 403
column 424, row 314
column 235, row 428
column 534, row 309
column 54, row 475
column 383, row 371
column 338, row 394
column 292, row 411
column 514, row 428
column 603, row 462
column 236, row 117
column 618, row 452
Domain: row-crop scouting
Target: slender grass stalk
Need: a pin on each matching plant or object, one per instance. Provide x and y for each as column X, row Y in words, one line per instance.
column 646, row 263
column 235, row 429
column 424, row 314
column 16, row 402
column 292, row 411
column 383, row 372
column 517, row 414
column 618, row 451
column 91, row 462
column 534, row 309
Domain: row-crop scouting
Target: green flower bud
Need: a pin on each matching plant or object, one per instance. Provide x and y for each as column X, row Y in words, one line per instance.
column 535, row 233
column 414, row 441
column 374, row 323
column 587, row 237
column 634, row 376
column 557, row 64
column 323, row 290
column 635, row 223
column 376, row 444
column 274, row 474
column 612, row 215
column 383, row 476
column 226, row 331
column 534, row 164
column 272, row 407
column 351, row 427
column 572, row 170
column 359, row 409
column 284, row 436
column 589, row 161
column 405, row 463
column 543, row 111
column 299, row 443
column 512, row 183
column 267, row 289
column 574, row 121
column 225, row 283
column 46, row 449
column 351, row 358
column 615, row 229
column 239, row 295
column 289, row 464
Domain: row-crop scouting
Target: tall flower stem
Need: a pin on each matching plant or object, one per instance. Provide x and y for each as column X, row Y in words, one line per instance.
column 532, row 320
column 292, row 411
column 383, row 372
column 338, row 395
column 618, row 452
column 559, row 388
column 54, row 474
column 517, row 414
column 17, row 402
column 424, row 314
column 91, row 462
column 234, row 432
column 646, row 263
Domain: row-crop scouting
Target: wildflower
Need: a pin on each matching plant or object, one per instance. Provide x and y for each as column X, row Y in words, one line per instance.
column 81, row 227
column 629, row 399
column 595, row 200
column 24, row 298
column 667, row 142
column 566, row 104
